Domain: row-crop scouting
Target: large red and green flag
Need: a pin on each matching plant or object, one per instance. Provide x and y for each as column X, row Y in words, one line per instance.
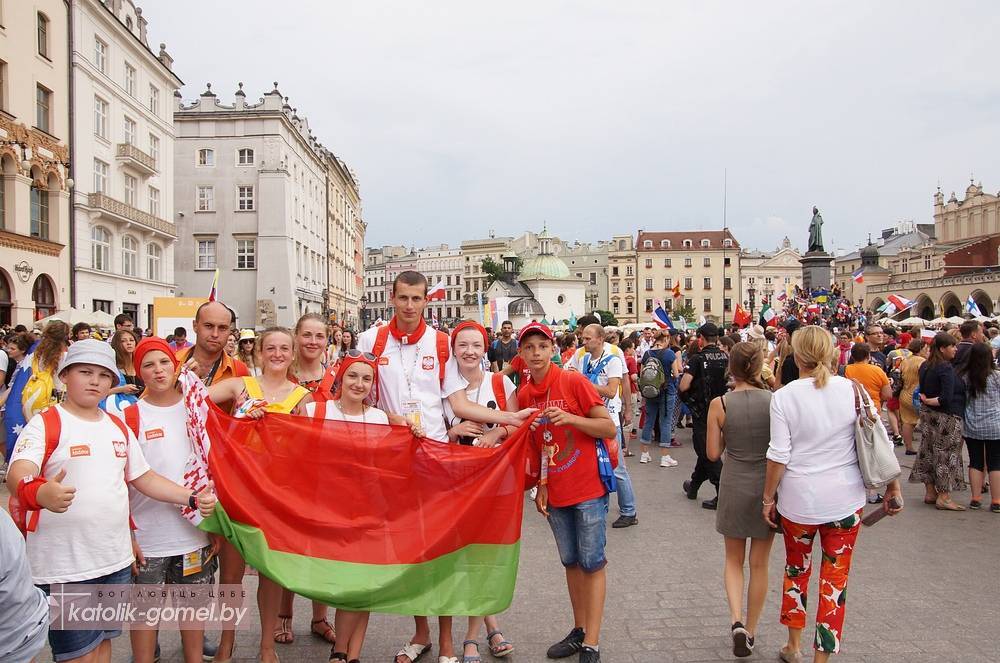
column 367, row 517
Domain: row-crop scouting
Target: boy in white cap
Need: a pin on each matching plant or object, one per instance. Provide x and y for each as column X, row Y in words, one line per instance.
column 67, row 474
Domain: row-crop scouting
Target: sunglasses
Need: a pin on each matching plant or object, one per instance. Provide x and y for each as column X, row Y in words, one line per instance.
column 354, row 353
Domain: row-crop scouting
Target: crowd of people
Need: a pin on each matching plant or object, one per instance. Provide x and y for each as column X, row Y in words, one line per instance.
column 772, row 412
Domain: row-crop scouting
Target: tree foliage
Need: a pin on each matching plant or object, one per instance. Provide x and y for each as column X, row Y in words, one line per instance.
column 607, row 318
column 494, row 270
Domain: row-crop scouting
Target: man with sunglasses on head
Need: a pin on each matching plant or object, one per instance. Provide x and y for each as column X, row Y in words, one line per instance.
column 412, row 383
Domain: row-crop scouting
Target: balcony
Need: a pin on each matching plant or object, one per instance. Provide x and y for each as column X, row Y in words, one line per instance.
column 119, row 211
column 130, row 155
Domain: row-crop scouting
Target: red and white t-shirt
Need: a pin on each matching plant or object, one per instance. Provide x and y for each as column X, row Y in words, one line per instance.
column 483, row 394
column 573, row 478
column 91, row 538
column 160, row 529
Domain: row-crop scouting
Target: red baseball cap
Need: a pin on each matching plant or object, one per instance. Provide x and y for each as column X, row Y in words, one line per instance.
column 535, row 328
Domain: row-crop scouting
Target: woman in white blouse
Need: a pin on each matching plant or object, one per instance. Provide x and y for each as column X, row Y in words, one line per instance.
column 814, row 483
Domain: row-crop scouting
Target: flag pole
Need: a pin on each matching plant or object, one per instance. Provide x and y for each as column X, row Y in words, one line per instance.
column 725, row 229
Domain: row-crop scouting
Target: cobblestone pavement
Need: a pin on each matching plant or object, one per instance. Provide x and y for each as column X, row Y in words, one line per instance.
column 922, row 588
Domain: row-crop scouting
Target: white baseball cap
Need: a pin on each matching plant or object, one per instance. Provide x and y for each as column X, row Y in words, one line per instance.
column 89, row 351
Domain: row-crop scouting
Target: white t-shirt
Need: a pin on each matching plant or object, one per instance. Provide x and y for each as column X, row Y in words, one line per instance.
column 812, row 435
column 4, row 361
column 615, row 368
column 161, row 530
column 372, row 415
column 91, row 538
column 483, row 394
column 411, row 372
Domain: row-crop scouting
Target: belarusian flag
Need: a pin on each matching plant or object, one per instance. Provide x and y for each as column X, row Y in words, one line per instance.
column 768, row 313
column 367, row 517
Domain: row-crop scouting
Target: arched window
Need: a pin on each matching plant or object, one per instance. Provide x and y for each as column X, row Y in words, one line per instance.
column 154, row 254
column 705, row 242
column 130, row 256
column 6, row 300
column 100, row 249
column 647, row 244
column 687, row 244
column 664, row 243
column 206, row 157
column 45, row 297
column 39, row 212
column 244, row 157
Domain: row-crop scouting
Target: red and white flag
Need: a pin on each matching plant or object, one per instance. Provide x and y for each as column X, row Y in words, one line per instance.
column 436, row 293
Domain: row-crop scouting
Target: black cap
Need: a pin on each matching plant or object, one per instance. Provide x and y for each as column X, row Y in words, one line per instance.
column 708, row 330
column 791, row 324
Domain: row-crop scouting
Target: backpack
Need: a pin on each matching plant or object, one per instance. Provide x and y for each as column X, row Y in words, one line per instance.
column 443, row 348
column 499, row 393
column 27, row 519
column 652, row 377
column 39, row 391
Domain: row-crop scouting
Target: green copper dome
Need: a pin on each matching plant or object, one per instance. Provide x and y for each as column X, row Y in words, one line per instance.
column 545, row 266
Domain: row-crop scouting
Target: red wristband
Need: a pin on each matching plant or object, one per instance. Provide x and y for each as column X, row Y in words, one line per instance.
column 27, row 493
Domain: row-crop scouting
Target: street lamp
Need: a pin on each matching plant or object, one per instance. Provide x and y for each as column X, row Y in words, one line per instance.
column 364, row 312
column 751, row 292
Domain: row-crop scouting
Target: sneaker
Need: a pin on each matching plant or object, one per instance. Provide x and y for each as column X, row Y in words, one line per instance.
column 568, row 646
column 689, row 490
column 208, row 649
column 667, row 461
column 644, row 458
column 625, row 521
column 995, row 508
column 711, row 504
column 876, row 498
column 533, row 493
column 897, row 440
column 742, row 642
column 975, row 505
column 911, row 453
column 588, row 655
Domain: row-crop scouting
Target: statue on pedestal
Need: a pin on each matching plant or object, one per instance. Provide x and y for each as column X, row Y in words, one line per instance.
column 816, row 232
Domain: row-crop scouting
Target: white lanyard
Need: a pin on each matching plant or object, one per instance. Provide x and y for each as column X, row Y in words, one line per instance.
column 408, row 376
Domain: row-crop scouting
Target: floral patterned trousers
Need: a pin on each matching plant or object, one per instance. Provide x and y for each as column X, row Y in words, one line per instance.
column 837, row 541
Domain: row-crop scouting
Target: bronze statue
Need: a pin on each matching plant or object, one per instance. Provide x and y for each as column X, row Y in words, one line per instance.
column 816, row 232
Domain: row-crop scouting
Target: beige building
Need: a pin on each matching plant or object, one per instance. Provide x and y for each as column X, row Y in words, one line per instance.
column 35, row 224
column 475, row 281
column 976, row 215
column 621, row 279
column 375, row 303
column 345, row 242
column 444, row 265
column 705, row 262
column 905, row 236
column 768, row 274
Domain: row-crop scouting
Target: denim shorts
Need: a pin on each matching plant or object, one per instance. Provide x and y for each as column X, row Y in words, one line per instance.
column 580, row 533
column 67, row 645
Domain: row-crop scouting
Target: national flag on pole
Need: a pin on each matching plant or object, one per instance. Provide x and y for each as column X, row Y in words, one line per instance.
column 661, row 318
column 813, row 308
column 677, row 290
column 927, row 335
column 434, row 319
column 972, row 307
column 741, row 318
column 446, row 544
column 900, row 303
column 436, row 293
column 858, row 275
column 214, row 292
column 783, row 296
column 768, row 313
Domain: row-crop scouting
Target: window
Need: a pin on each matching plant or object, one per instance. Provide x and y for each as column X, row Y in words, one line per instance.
column 668, row 283
column 649, row 263
column 154, row 100
column 706, row 262
column 667, row 263
column 688, row 302
column 706, row 283
column 100, row 118
column 687, row 244
column 130, row 255
column 647, row 243
column 788, row 279
column 687, row 262
column 905, row 264
column 244, row 195
column 621, row 245
column 43, row 35
column 39, row 212
column 43, row 102
column 706, row 305
column 664, row 243
column 3, row 217
column 154, row 257
column 927, row 262
column 100, row 176
column 688, row 283
column 649, row 284
column 629, row 307
column 244, row 157
column 3, row 84
column 103, row 305
column 727, row 283
column 767, row 280
column 206, row 157
column 669, row 304
column 649, row 305
column 628, row 270
column 705, row 243
column 727, row 304
column 246, row 254
column 727, row 243
column 129, row 79
column 727, row 262
column 154, row 201
column 101, row 56
column 614, row 271
column 593, row 278
column 130, row 190
column 615, row 307
column 206, row 199
column 129, row 131
column 750, row 281
column 100, row 249
column 628, row 285
column 154, row 149
column 614, row 287
column 206, row 254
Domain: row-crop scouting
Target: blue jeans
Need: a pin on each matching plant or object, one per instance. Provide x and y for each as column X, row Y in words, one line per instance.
column 662, row 407
column 580, row 531
column 626, row 494
column 67, row 645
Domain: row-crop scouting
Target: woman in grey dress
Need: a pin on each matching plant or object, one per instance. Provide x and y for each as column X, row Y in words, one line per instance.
column 739, row 424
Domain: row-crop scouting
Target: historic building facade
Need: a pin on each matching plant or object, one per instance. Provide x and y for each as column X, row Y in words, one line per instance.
column 621, row 278
column 251, row 197
column 476, row 282
column 345, row 245
column 444, row 265
column 123, row 148
column 375, row 302
column 35, row 178
column 891, row 243
column 766, row 275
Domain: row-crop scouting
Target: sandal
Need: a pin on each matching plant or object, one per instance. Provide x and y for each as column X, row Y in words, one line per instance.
column 502, row 648
column 413, row 651
column 232, row 652
column 338, row 656
column 283, row 634
column 447, row 659
column 327, row 633
column 948, row 505
column 474, row 658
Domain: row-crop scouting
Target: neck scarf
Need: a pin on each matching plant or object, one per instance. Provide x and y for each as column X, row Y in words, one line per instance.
column 407, row 338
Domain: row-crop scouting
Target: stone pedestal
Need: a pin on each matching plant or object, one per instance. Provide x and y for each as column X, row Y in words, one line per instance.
column 817, row 269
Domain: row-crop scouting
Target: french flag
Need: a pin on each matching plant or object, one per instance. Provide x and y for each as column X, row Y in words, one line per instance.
column 661, row 317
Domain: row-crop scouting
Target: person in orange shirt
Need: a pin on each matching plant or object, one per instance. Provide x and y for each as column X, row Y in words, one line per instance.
column 869, row 376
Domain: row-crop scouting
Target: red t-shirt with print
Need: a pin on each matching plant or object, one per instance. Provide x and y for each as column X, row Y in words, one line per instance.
column 573, row 478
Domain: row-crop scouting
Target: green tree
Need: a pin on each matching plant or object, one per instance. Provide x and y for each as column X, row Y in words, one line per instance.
column 607, row 318
column 494, row 270
column 686, row 312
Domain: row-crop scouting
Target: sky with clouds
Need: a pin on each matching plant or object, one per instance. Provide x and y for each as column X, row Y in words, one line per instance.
column 607, row 117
